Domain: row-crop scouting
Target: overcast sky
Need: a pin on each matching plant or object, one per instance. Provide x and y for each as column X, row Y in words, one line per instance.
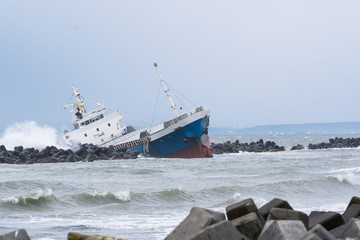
column 251, row 63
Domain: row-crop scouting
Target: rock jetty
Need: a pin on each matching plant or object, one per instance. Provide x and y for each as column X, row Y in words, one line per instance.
column 297, row 147
column 275, row 220
column 337, row 143
column 236, row 147
column 51, row 154
column 244, row 220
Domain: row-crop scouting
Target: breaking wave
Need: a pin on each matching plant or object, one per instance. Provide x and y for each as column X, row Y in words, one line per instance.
column 35, row 199
column 347, row 175
column 29, row 134
column 104, row 197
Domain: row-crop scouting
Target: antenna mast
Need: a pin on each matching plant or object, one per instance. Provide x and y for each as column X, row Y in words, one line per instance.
column 167, row 92
column 80, row 103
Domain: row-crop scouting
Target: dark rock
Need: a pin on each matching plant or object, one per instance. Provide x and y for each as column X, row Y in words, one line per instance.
column 18, row 148
column 352, row 211
column 197, row 220
column 90, row 157
column 23, row 156
column 20, row 234
column 337, row 143
column 82, row 151
column 132, row 154
column 71, row 158
column 282, row 230
column 242, row 208
column 336, row 232
column 236, row 147
column 119, row 155
column 297, row 147
column 59, row 153
column 223, row 230
column 328, row 220
column 44, row 153
column 51, row 154
column 287, row 214
column 321, row 232
column 250, row 225
column 353, row 230
column 275, row 203
column 354, row 200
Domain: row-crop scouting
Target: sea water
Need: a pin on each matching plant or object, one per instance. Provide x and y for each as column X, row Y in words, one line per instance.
column 146, row 198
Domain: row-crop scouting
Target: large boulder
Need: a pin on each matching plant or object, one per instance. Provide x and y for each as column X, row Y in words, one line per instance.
column 197, row 220
column 283, row 230
column 353, row 230
column 328, row 220
column 20, row 234
column 250, row 225
column 274, row 203
column 80, row 236
column 223, row 230
column 288, row 214
column 242, row 208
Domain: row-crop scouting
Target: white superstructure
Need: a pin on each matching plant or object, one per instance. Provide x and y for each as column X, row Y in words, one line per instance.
column 94, row 127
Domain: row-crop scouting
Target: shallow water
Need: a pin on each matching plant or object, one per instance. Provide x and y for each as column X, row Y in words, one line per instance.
column 147, row 198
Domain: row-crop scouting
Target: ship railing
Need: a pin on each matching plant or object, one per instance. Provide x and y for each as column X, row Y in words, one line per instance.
column 133, row 143
column 175, row 120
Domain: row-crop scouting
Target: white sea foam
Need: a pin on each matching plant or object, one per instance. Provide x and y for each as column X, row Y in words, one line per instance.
column 14, row 200
column 30, row 134
column 350, row 175
column 123, row 195
column 236, row 196
column 120, row 195
column 335, row 207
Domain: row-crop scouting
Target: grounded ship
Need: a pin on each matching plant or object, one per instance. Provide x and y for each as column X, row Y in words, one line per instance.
column 185, row 136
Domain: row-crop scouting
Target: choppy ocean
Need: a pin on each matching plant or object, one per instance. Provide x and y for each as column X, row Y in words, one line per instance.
column 147, row 198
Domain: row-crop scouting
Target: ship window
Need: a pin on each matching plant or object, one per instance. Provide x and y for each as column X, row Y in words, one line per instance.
column 82, row 124
column 102, row 140
column 97, row 129
column 67, row 137
column 112, row 135
column 85, row 135
column 87, row 122
column 76, row 125
column 109, row 124
column 101, row 116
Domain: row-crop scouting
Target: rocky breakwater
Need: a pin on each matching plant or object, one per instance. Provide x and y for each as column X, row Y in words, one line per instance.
column 337, row 143
column 275, row 220
column 236, row 147
column 51, row 154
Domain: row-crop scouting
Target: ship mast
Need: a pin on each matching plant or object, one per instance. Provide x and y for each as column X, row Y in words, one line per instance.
column 167, row 92
column 80, row 105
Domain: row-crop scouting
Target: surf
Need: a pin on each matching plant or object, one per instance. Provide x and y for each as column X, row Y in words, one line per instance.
column 30, row 134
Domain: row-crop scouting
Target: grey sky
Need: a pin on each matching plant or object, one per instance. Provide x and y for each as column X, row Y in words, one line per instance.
column 250, row 62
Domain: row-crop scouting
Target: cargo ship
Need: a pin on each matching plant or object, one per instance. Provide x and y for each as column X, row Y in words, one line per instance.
column 184, row 136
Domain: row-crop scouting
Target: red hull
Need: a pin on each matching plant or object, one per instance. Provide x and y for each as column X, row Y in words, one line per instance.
column 197, row 150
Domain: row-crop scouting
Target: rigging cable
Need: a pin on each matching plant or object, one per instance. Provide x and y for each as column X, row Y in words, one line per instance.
column 181, row 94
column 125, row 113
column 157, row 100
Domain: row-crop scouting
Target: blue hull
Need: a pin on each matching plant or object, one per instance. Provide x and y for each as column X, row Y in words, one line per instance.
column 189, row 141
